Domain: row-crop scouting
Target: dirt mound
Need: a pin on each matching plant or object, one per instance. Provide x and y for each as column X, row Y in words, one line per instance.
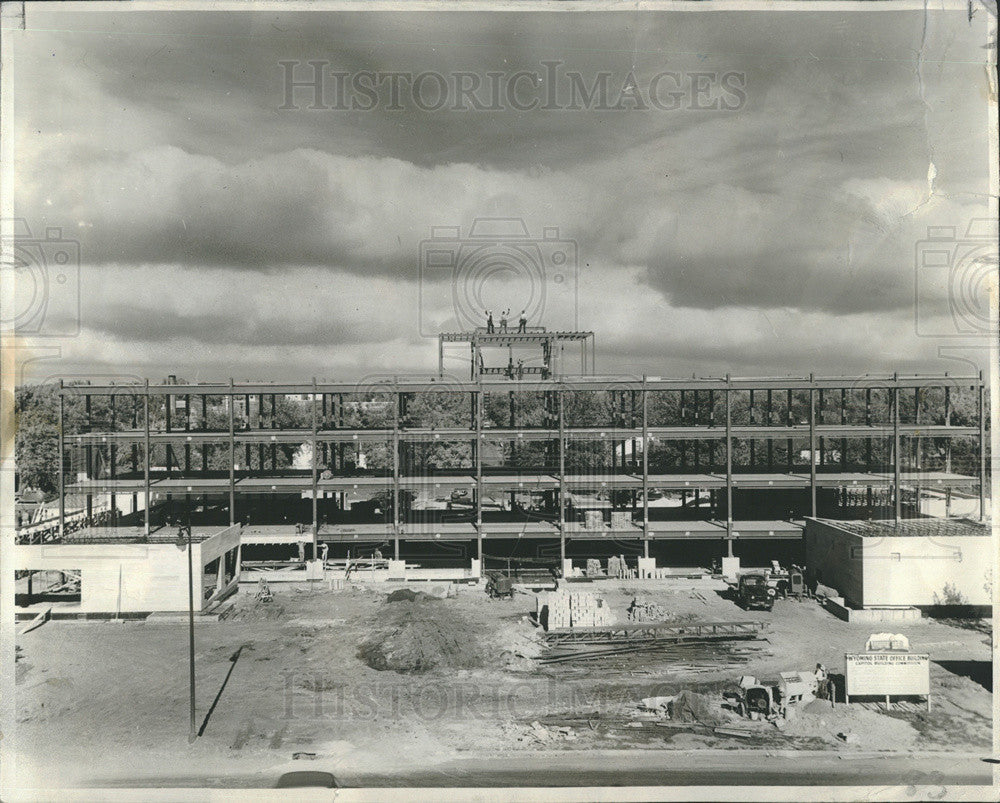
column 690, row 706
column 418, row 635
column 409, row 595
column 248, row 609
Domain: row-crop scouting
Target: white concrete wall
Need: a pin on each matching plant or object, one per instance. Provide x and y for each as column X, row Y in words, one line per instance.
column 910, row 571
column 129, row 577
column 148, row 577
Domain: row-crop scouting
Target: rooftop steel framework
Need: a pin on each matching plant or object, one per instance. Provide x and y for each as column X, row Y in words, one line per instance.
column 323, row 398
column 549, row 363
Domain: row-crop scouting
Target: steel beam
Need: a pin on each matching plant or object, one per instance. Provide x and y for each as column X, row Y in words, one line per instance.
column 571, row 383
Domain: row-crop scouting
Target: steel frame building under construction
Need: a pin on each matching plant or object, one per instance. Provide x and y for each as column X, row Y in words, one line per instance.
column 713, row 417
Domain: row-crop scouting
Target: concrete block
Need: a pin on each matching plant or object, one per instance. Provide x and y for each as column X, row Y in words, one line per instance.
column 475, row 568
column 314, row 570
column 647, row 568
column 730, row 569
column 397, row 569
column 567, row 567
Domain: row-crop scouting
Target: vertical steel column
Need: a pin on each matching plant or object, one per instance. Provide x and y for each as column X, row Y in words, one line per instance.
column 91, row 462
column 113, row 452
column 917, row 460
column 440, row 355
column 843, row 422
column 770, row 439
column 812, row 447
column 789, row 421
column 645, row 471
column 232, row 454
column 315, row 476
column 395, row 472
column 947, row 423
column 982, row 447
column 478, row 425
column 562, row 479
column 62, row 464
column 729, row 467
column 204, row 426
column 187, row 428
column 898, row 508
column 145, row 454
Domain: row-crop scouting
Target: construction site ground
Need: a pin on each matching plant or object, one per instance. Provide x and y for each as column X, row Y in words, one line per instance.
column 103, row 703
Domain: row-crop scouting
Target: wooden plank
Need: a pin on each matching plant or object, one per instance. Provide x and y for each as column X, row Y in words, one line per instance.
column 37, row 622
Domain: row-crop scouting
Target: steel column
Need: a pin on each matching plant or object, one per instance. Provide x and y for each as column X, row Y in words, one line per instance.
column 145, row 455
column 645, row 472
column 729, row 468
column 982, row 447
column 898, row 508
column 62, row 465
column 478, row 423
column 315, row 476
column 395, row 471
column 812, row 449
column 232, row 455
column 562, row 480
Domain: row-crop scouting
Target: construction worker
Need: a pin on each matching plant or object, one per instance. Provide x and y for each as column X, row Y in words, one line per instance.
column 820, row 677
column 503, row 320
column 520, row 369
column 489, row 322
column 522, row 324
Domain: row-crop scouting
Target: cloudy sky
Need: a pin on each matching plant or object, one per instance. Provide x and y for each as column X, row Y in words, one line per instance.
column 769, row 222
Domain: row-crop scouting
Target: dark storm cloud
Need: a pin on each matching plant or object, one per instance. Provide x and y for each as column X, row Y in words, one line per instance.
column 158, row 140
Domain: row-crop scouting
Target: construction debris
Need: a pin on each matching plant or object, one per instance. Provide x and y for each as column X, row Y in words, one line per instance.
column 645, row 611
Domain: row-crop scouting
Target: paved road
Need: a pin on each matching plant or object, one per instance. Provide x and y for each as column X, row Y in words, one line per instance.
column 638, row 768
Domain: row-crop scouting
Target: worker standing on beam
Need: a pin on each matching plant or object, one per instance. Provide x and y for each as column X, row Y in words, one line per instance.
column 522, row 324
column 503, row 320
column 489, row 322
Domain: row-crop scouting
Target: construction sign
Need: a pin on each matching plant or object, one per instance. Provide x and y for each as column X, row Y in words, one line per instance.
column 887, row 674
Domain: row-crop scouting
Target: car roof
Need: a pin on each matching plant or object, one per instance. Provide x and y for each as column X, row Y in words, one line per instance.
column 306, row 778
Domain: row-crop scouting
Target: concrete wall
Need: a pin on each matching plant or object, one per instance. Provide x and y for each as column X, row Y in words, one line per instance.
column 836, row 556
column 910, row 571
column 899, row 571
column 130, row 577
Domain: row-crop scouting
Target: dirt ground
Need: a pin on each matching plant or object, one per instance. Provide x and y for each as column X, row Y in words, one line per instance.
column 111, row 699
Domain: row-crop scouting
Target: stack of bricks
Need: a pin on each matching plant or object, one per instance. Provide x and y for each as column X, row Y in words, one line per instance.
column 568, row 609
column 621, row 520
column 593, row 520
